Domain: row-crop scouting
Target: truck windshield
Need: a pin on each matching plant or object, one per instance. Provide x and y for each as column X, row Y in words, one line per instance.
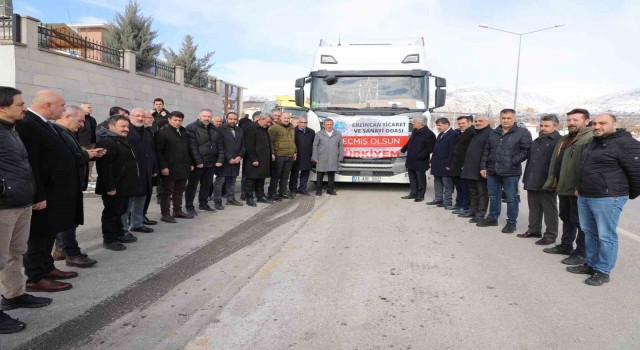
column 369, row 93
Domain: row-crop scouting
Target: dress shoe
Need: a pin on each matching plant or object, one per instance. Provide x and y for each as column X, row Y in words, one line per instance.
column 206, row 207
column 81, row 260
column 303, row 192
column 487, row 223
column 243, row 196
column 451, row 207
column 285, row 196
column 24, row 300
column 434, row 202
column 190, row 211
column 475, row 220
column 126, row 238
column 458, row 211
column 233, row 201
column 408, row 197
column 168, row 219
column 10, row 325
column 217, row 203
column 418, row 199
column 530, row 234
column 332, row 192
column 318, row 192
column 275, row 198
column 581, row 269
column 47, row 285
column 557, row 250
column 546, row 241
column 441, row 205
column 56, row 274
column 148, row 222
column 467, row 214
column 509, row 228
column 58, row 254
column 182, row 215
column 143, row 229
column 597, row 279
column 573, row 260
column 264, row 199
column 115, row 246
column 251, row 202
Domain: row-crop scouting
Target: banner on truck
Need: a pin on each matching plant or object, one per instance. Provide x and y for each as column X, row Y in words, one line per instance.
column 373, row 136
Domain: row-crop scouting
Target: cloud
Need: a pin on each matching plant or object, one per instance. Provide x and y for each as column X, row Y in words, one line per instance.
column 262, row 78
column 27, row 10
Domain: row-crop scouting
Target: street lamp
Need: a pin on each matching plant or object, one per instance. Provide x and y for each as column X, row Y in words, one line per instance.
column 520, row 35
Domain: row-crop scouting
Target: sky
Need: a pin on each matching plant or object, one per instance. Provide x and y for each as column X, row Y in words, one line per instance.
column 265, row 45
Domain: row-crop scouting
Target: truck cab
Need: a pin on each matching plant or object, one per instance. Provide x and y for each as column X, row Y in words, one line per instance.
column 371, row 90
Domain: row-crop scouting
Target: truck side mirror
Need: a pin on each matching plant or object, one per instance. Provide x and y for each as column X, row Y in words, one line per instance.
column 300, row 82
column 330, row 80
column 300, row 97
column 441, row 96
column 441, row 82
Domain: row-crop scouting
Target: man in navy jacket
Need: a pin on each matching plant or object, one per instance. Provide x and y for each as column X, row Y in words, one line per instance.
column 441, row 163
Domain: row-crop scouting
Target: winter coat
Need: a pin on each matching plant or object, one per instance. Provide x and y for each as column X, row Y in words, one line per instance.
column 55, row 173
column 566, row 183
column 117, row 169
column 328, row 151
column 419, row 148
column 460, row 150
column 87, row 134
column 245, row 123
column 610, row 166
column 159, row 121
column 539, row 160
column 81, row 156
column 233, row 147
column 141, row 140
column 503, row 154
column 205, row 144
column 17, row 186
column 442, row 156
column 304, row 145
column 283, row 140
column 473, row 157
column 172, row 150
column 258, row 148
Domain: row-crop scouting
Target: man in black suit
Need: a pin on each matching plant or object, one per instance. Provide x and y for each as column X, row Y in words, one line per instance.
column 58, row 197
column 87, row 134
column 257, row 165
column 234, row 149
column 418, row 149
column 302, row 166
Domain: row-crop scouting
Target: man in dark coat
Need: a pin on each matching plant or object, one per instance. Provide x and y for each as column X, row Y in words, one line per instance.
column 441, row 162
column 87, row 134
column 148, row 124
column 207, row 153
column 542, row 202
column 418, row 149
column 16, row 199
column 463, row 200
column 66, row 246
column 104, row 125
column 234, row 149
column 506, row 148
column 257, row 164
column 302, row 166
column 174, row 162
column 58, row 197
column 118, row 179
column 160, row 115
column 244, row 124
column 471, row 171
column 141, row 141
column 609, row 177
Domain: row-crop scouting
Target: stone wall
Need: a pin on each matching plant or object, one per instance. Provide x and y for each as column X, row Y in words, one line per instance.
column 102, row 85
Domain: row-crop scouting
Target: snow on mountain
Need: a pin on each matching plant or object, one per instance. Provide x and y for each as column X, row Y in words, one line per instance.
column 483, row 99
column 627, row 102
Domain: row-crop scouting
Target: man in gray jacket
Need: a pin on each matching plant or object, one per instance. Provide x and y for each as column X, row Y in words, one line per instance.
column 328, row 152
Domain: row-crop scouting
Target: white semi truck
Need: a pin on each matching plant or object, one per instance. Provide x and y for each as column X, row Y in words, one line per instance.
column 371, row 90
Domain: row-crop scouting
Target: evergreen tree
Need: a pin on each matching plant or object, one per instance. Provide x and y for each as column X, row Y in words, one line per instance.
column 132, row 31
column 196, row 69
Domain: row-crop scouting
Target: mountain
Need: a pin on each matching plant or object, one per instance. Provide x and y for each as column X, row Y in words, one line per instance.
column 627, row 102
column 481, row 99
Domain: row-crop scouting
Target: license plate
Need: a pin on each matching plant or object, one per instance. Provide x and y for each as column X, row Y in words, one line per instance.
column 366, row 179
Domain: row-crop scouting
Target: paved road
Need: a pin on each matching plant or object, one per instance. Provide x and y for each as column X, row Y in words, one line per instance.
column 362, row 270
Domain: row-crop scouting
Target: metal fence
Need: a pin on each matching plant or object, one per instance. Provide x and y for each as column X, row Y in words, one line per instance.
column 156, row 68
column 10, row 28
column 203, row 82
column 77, row 46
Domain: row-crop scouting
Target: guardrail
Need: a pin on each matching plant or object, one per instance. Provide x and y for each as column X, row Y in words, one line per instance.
column 156, row 68
column 10, row 28
column 77, row 46
column 203, row 82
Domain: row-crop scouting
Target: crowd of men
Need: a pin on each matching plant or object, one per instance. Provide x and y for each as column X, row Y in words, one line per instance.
column 584, row 177
column 48, row 151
